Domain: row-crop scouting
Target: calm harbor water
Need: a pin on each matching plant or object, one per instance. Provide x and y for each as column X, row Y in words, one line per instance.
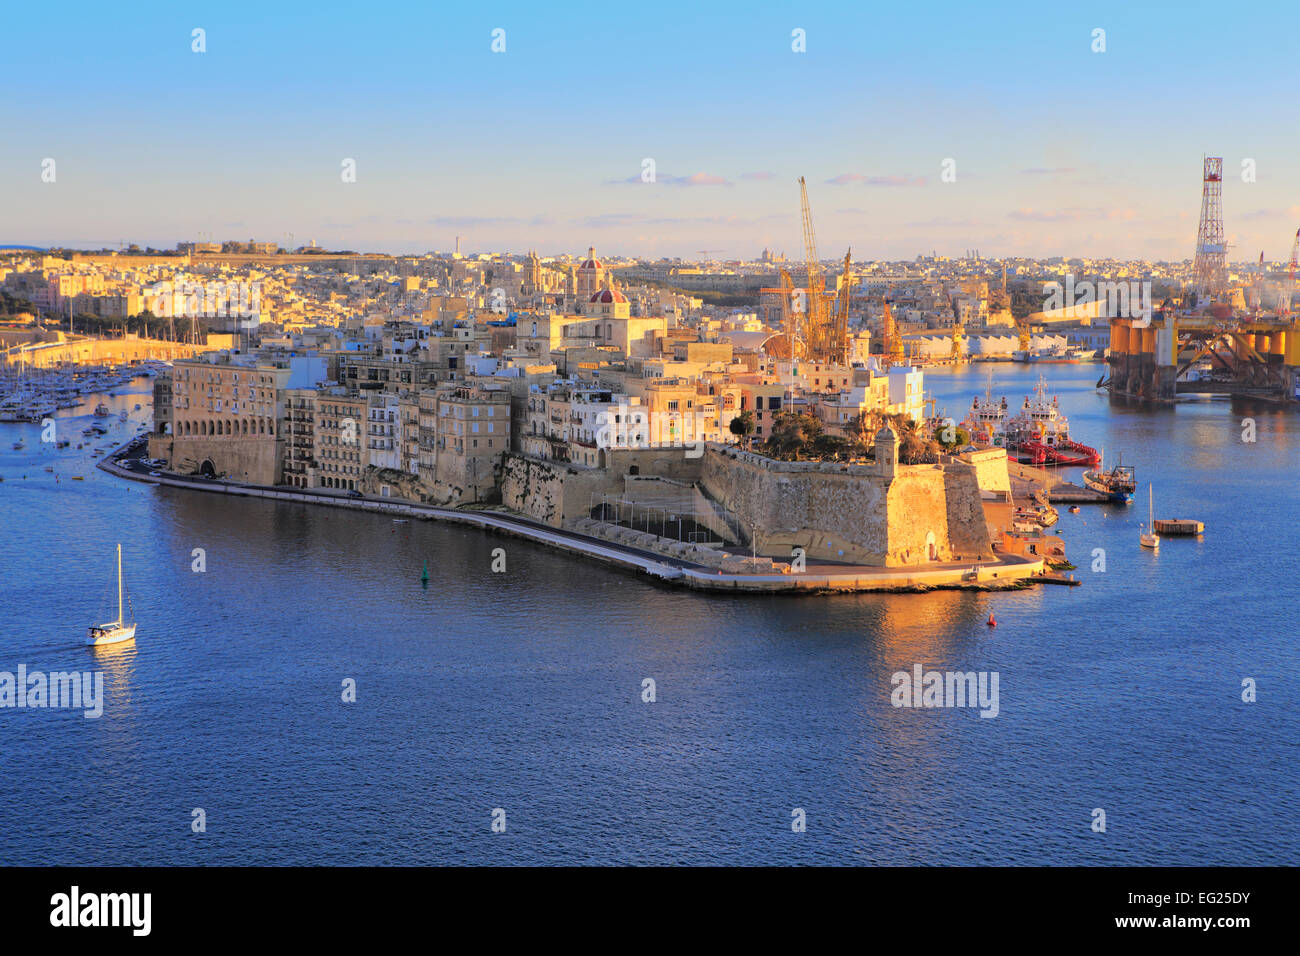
column 522, row 690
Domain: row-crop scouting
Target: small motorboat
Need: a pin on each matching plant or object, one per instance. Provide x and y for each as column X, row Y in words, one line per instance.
column 1074, row 509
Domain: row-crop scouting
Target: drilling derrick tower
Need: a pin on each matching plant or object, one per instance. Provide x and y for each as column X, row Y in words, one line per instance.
column 1289, row 291
column 1210, row 269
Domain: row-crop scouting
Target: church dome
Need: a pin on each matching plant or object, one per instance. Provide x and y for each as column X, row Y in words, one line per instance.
column 608, row 296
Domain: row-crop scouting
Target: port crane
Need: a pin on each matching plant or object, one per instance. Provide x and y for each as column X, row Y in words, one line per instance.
column 789, row 344
column 825, row 336
column 816, row 282
column 840, row 327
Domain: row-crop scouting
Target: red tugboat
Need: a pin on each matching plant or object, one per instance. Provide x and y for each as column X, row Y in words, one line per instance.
column 1041, row 434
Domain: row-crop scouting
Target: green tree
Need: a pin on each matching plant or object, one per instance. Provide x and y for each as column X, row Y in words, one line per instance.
column 793, row 434
column 742, row 426
column 957, row 436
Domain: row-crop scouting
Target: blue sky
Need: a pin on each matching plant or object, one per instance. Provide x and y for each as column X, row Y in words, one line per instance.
column 1058, row 150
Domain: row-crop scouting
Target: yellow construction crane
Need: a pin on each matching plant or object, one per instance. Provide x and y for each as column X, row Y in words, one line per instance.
column 1022, row 326
column 814, row 325
column 839, row 330
column 789, row 343
column 788, row 318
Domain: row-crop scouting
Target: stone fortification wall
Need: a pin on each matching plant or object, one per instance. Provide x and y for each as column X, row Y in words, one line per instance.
column 859, row 514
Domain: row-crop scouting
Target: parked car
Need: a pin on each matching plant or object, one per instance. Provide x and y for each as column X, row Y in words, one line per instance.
column 155, row 474
column 353, row 493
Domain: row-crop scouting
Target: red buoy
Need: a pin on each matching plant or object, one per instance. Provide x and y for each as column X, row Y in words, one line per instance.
column 992, row 620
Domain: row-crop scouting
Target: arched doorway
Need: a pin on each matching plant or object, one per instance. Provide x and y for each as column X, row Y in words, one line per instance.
column 931, row 548
column 208, row 469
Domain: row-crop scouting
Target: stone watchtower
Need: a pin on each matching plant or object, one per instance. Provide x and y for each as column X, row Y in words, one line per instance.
column 887, row 445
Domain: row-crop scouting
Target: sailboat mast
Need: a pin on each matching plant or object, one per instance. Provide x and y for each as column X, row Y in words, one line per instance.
column 119, row 584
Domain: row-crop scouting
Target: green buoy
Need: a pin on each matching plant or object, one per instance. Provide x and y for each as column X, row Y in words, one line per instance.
column 424, row 576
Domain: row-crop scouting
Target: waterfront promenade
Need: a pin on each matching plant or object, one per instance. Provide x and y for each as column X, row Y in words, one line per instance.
column 1009, row 571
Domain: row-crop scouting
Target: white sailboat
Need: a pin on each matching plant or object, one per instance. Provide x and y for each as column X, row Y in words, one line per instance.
column 113, row 632
column 1149, row 538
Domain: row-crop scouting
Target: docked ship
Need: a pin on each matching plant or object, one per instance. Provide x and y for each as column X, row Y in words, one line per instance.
column 1117, row 484
column 1040, row 433
column 1053, row 354
column 985, row 419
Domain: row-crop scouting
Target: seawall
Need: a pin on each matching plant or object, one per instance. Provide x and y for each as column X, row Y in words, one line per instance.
column 1003, row 572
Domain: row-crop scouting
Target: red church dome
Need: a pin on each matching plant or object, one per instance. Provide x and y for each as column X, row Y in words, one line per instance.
column 608, row 295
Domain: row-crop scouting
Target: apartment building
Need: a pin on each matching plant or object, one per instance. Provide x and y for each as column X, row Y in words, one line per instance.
column 473, row 432
column 299, row 467
column 408, row 409
column 384, row 433
column 338, row 433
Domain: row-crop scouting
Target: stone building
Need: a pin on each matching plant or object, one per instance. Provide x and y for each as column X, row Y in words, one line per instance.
column 339, row 451
column 225, row 416
column 472, row 428
column 299, row 469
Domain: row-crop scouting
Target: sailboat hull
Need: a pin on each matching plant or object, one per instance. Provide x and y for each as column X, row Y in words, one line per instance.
column 110, row 634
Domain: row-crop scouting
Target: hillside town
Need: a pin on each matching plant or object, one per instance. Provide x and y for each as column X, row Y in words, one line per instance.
column 572, row 389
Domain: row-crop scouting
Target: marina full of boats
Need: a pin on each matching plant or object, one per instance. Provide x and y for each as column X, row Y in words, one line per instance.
column 31, row 395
